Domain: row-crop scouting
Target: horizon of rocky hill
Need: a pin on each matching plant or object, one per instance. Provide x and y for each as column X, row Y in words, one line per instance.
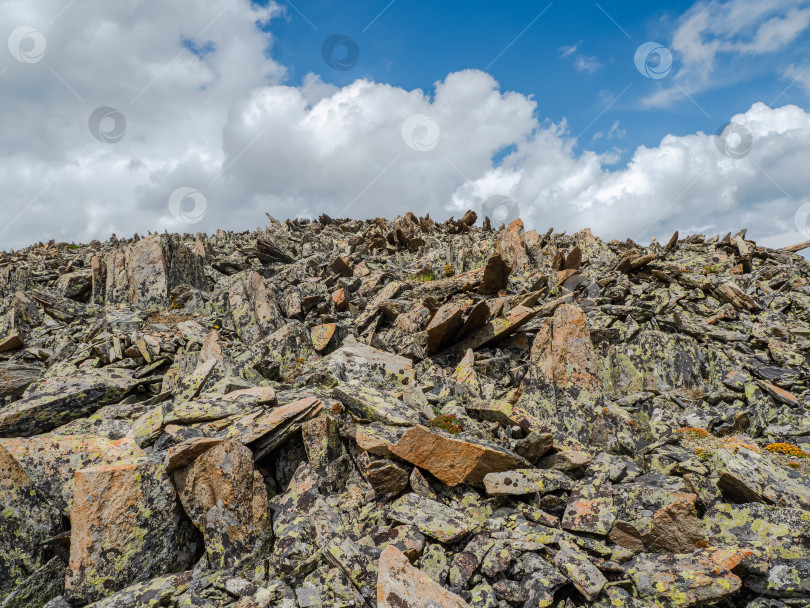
column 404, row 414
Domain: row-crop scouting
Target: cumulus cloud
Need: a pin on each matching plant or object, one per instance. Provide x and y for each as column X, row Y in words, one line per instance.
column 685, row 183
column 206, row 109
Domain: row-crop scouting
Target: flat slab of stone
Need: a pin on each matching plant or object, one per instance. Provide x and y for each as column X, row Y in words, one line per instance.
column 430, row 517
column 52, row 402
column 453, row 461
column 526, row 481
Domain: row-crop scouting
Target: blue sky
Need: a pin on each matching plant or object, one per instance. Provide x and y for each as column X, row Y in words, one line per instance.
column 574, row 57
column 195, row 115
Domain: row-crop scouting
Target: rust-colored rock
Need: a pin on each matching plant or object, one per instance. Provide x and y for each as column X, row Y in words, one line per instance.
column 400, row 585
column 321, row 335
column 226, row 499
column 120, row 511
column 453, row 461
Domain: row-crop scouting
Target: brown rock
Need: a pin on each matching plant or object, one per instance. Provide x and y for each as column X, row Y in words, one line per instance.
column 400, row 585
column 341, row 266
column 453, row 461
column 565, row 353
column 12, row 341
column 676, row 528
column 387, row 478
column 227, row 501
column 184, row 453
column 339, row 298
column 119, row 511
column 444, row 325
column 496, row 275
column 322, row 334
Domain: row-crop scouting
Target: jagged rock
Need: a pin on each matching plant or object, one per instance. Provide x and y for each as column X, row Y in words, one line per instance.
column 452, row 460
column 26, row 520
column 378, row 382
column 387, row 478
column 227, row 501
column 400, row 585
column 121, row 511
column 675, row 528
column 586, row 577
column 748, row 477
column 45, row 583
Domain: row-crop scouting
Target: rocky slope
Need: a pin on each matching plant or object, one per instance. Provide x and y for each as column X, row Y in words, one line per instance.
column 404, row 414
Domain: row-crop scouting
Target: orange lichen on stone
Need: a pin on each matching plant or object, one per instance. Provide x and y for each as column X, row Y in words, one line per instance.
column 694, row 431
column 786, row 449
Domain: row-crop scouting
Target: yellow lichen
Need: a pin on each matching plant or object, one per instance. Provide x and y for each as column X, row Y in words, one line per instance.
column 786, row 449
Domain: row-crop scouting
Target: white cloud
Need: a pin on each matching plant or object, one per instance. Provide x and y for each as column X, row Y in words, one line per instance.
column 582, row 63
column 224, row 123
column 587, row 63
column 711, row 34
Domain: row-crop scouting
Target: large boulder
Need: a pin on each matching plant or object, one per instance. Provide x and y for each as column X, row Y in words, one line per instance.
column 127, row 525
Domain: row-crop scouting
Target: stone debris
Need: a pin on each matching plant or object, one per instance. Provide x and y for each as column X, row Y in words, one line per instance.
column 404, row 413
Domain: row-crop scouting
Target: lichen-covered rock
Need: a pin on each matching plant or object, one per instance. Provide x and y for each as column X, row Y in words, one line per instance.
column 748, row 476
column 526, row 481
column 27, row 519
column 46, row 583
column 687, row 579
column 779, row 539
column 121, row 513
column 432, row 518
column 532, row 418
column 227, row 500
column 52, row 402
column 400, row 585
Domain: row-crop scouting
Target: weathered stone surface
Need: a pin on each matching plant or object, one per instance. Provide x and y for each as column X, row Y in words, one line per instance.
column 35, row 591
column 432, row 518
column 687, row 579
column 387, row 478
column 779, row 539
column 52, row 402
column 400, row 585
column 453, row 461
column 567, row 358
column 121, row 512
column 227, row 501
column 526, row 481
column 676, row 528
column 26, row 520
column 586, row 577
column 383, row 379
column 749, row 477
column 376, row 406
